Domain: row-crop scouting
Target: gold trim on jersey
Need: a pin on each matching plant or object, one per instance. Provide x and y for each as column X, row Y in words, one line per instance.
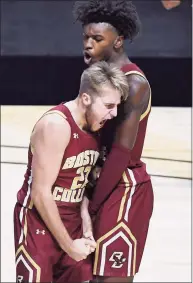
column 135, row 72
column 121, row 224
column 31, row 204
column 149, row 103
column 25, row 227
column 147, row 110
column 33, row 263
column 54, row 112
column 127, row 188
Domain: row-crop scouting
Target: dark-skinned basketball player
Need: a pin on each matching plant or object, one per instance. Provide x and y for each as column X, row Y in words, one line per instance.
column 122, row 202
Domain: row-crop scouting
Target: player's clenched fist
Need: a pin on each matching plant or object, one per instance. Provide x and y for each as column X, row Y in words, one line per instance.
column 81, row 248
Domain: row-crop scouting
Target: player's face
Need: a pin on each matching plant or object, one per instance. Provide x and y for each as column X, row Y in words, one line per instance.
column 103, row 108
column 98, row 41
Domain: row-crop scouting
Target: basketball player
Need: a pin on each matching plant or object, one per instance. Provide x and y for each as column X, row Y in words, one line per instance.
column 123, row 198
column 49, row 241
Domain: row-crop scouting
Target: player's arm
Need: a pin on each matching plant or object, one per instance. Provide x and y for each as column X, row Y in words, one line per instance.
column 49, row 141
column 119, row 157
column 86, row 219
column 136, row 104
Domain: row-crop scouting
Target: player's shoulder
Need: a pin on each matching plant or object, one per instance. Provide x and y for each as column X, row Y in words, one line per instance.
column 139, row 88
column 53, row 123
column 137, row 79
column 135, row 76
column 51, row 130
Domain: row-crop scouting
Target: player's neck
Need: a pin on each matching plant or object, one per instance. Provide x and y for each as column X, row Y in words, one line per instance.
column 78, row 112
column 120, row 59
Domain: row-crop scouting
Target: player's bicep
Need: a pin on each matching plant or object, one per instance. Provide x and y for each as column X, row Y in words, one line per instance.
column 49, row 141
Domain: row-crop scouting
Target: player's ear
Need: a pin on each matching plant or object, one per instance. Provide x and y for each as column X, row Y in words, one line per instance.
column 119, row 42
column 86, row 99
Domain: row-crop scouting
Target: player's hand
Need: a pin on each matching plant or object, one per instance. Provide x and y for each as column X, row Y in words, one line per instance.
column 89, row 235
column 80, row 248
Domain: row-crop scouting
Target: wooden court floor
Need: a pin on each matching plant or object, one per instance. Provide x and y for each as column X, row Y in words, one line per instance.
column 167, row 153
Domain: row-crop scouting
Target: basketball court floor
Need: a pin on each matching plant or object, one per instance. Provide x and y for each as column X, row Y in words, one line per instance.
column 167, row 153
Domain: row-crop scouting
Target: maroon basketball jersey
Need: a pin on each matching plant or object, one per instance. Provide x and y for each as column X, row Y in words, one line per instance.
column 79, row 157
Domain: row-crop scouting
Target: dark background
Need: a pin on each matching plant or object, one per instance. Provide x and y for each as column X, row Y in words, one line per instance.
column 41, row 52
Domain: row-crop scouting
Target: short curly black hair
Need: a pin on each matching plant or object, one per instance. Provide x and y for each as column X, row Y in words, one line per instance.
column 121, row 14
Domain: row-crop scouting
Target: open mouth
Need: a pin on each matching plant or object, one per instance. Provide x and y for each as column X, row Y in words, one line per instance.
column 87, row 58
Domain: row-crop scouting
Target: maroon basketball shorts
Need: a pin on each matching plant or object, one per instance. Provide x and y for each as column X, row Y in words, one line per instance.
column 121, row 228
column 38, row 256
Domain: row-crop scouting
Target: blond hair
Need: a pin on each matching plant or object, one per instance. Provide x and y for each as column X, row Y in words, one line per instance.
column 103, row 73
